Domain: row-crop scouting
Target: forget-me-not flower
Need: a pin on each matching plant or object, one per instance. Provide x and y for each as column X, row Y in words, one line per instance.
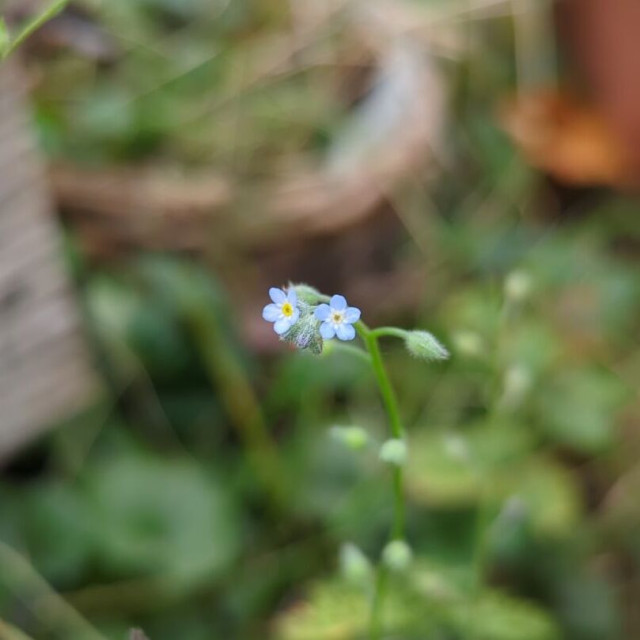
column 337, row 319
column 284, row 312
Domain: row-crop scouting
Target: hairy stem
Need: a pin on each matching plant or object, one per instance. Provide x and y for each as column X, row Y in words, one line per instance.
column 394, row 332
column 386, row 390
column 46, row 14
column 390, row 402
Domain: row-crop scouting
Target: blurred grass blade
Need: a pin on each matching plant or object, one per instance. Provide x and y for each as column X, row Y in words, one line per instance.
column 20, row 577
column 9, row 632
column 8, row 45
column 4, row 38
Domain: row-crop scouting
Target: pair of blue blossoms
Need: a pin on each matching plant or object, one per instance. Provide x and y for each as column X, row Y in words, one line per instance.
column 336, row 318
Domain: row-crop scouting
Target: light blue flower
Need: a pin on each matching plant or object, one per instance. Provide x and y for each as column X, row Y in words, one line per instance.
column 284, row 312
column 337, row 319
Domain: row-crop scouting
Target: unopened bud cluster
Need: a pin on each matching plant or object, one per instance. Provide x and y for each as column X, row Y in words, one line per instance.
column 425, row 346
column 394, row 452
column 299, row 319
column 397, row 555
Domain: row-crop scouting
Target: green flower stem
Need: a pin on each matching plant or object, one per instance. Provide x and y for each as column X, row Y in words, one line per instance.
column 386, row 390
column 392, row 332
column 49, row 12
column 377, row 604
column 370, row 338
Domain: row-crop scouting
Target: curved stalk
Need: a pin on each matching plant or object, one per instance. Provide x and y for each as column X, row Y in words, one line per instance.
column 370, row 338
column 46, row 14
column 393, row 332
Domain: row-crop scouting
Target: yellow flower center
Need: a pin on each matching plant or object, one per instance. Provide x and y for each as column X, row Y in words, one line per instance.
column 287, row 309
column 336, row 317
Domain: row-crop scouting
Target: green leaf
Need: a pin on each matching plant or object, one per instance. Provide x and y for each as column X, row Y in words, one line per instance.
column 532, row 345
column 550, row 495
column 334, row 610
column 579, row 407
column 163, row 517
column 589, row 606
column 56, row 526
column 435, row 475
column 454, row 469
column 475, row 310
column 497, row 616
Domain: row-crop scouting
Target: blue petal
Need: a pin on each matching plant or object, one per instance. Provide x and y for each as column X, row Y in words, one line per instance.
column 271, row 312
column 294, row 318
column 346, row 332
column 282, row 326
column 292, row 297
column 352, row 314
column 322, row 312
column 339, row 303
column 277, row 295
column 327, row 331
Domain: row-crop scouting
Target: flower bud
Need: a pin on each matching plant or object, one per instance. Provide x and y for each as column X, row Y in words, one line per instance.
column 397, row 555
column 517, row 286
column 425, row 346
column 304, row 334
column 354, row 565
column 456, row 447
column 517, row 383
column 307, row 294
column 394, row 452
column 354, row 438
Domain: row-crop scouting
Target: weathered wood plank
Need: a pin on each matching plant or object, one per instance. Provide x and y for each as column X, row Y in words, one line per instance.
column 45, row 373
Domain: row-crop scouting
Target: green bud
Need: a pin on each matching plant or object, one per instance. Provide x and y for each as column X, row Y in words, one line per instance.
column 354, row 565
column 456, row 447
column 518, row 286
column 307, row 294
column 355, row 438
column 394, row 452
column 517, row 383
column 397, row 555
column 5, row 39
column 304, row 334
column 424, row 346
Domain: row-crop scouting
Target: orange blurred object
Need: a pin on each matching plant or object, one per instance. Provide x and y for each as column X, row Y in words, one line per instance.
column 602, row 41
column 567, row 138
column 594, row 140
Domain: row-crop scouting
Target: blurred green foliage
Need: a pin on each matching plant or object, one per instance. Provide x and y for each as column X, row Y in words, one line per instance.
column 152, row 510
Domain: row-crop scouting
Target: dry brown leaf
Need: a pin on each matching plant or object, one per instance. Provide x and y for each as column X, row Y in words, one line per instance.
column 600, row 38
column 567, row 138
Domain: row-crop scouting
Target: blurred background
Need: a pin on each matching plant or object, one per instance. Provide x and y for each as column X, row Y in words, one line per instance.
column 465, row 166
